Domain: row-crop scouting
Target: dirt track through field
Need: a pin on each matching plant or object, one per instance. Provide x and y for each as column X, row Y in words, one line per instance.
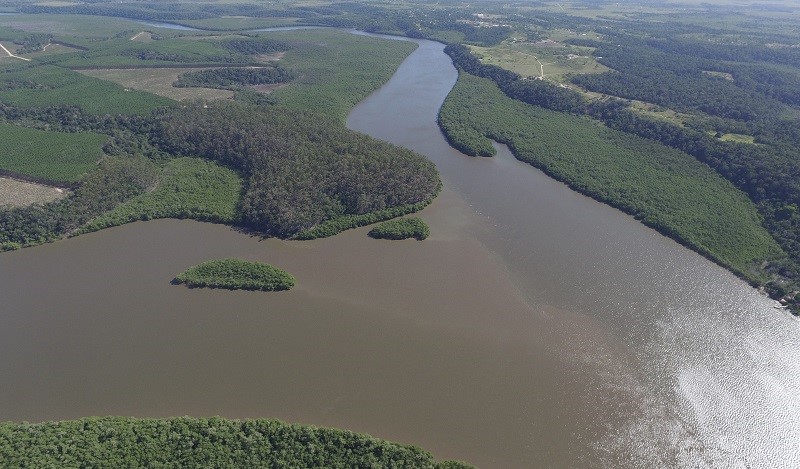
column 12, row 55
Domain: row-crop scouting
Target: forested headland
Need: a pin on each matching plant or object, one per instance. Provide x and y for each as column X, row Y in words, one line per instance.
column 301, row 169
column 200, row 442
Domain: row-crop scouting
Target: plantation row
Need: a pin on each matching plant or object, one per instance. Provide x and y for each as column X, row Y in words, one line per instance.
column 119, row 51
column 53, row 85
column 48, row 156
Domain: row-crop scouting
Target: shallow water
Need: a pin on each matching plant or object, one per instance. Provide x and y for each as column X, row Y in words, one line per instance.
column 535, row 327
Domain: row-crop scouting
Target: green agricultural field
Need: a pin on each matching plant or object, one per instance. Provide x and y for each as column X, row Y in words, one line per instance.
column 51, row 156
column 49, row 85
column 188, row 188
column 336, row 69
column 664, row 188
column 120, row 52
column 68, row 25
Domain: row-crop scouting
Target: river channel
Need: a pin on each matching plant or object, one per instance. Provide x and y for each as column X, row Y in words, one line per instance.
column 536, row 327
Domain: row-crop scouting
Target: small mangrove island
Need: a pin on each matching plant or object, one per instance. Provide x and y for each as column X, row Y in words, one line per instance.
column 236, row 274
column 402, row 228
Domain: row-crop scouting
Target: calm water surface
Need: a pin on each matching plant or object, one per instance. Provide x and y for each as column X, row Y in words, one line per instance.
column 535, row 327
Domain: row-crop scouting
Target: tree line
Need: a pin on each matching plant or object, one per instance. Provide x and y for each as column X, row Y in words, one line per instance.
column 234, row 78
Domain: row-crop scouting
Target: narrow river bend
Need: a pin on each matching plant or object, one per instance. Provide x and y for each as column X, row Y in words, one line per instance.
column 535, row 327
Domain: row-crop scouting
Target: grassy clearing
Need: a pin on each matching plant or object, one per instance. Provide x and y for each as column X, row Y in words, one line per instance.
column 738, row 138
column 157, row 81
column 556, row 59
column 16, row 193
column 48, row 85
column 188, row 188
column 50, row 156
column 664, row 188
column 236, row 274
column 52, row 49
column 142, row 36
column 337, row 69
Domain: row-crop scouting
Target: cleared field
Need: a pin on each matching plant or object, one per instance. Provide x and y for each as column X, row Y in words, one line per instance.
column 738, row 138
column 157, row 81
column 53, row 49
column 530, row 59
column 723, row 75
column 50, row 156
column 142, row 36
column 16, row 193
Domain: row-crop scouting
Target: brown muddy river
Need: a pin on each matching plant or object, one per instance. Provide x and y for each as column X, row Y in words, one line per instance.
column 534, row 328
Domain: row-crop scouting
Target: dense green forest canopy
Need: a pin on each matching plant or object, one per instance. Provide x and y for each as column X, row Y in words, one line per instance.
column 301, row 168
column 665, row 188
column 200, row 442
column 402, row 228
column 236, row 274
column 234, row 78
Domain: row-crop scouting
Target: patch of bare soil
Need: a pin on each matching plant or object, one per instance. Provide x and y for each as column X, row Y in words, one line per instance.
column 266, row 89
column 263, row 58
column 21, row 194
column 157, row 81
column 143, row 36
